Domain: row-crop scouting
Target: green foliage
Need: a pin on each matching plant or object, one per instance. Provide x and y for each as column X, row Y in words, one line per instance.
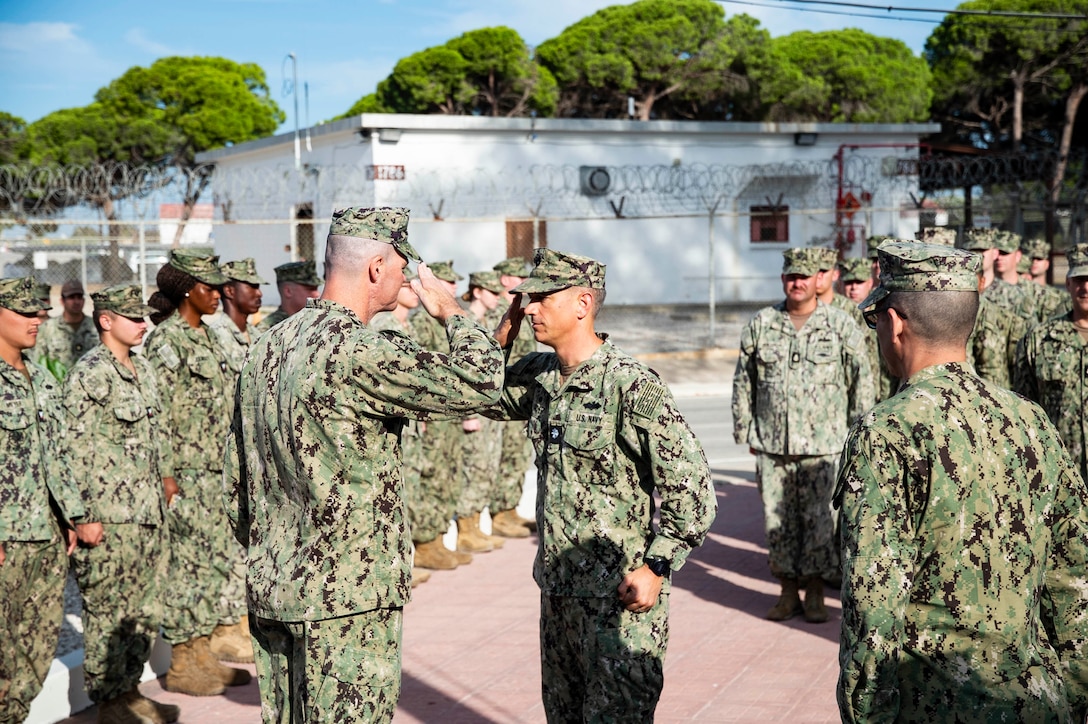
column 650, row 49
column 847, row 76
column 488, row 72
column 206, row 102
column 979, row 62
column 12, row 137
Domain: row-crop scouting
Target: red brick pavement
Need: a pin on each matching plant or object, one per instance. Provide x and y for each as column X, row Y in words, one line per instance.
column 471, row 649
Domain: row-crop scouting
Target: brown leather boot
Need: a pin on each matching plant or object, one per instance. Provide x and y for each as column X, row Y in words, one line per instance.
column 151, row 709
column 462, row 558
column 469, row 537
column 789, row 602
column 228, row 675
column 434, row 555
column 506, row 523
column 232, row 642
column 186, row 674
column 118, row 711
column 815, row 610
column 420, row 575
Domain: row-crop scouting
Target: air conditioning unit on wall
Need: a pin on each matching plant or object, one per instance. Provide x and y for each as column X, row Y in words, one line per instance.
column 594, row 180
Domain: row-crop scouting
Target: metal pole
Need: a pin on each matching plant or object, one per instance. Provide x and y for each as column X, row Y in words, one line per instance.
column 294, row 92
column 710, row 271
column 143, row 260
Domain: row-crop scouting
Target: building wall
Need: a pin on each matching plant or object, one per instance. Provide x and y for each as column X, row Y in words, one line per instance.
column 476, row 173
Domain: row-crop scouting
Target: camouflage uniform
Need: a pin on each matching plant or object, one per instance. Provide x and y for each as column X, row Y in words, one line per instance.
column 112, row 452
column 795, row 394
column 992, row 344
column 441, row 451
column 947, row 621
column 234, row 342
column 299, row 272
column 606, row 439
column 33, row 490
column 411, row 448
column 314, row 471
column 58, row 341
column 1052, row 370
column 193, row 375
column 516, row 455
column 965, row 543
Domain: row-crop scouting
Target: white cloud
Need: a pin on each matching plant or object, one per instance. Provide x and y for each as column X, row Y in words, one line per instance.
column 137, row 37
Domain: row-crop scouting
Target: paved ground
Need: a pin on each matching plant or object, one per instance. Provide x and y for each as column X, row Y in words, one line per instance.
column 470, row 640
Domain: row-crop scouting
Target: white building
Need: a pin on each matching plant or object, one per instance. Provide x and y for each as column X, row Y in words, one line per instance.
column 660, row 202
column 198, row 229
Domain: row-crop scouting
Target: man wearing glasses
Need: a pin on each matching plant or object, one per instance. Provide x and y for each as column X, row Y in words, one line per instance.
column 66, row 338
column 964, row 525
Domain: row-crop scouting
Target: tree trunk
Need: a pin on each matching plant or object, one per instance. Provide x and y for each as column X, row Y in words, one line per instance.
column 1072, row 105
column 1017, row 110
column 196, row 181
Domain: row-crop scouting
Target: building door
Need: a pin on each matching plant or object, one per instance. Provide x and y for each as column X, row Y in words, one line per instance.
column 523, row 236
column 304, row 232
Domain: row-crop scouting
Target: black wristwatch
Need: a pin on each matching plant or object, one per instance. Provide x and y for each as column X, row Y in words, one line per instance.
column 659, row 566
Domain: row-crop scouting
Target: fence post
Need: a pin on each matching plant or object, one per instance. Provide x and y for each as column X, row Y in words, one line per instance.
column 143, row 260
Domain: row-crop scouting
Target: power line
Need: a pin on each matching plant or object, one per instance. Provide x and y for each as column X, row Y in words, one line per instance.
column 832, row 12
column 992, row 13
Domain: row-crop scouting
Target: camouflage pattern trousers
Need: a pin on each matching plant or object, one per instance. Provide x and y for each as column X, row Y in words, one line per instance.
column 432, row 508
column 600, row 662
column 480, row 453
column 797, row 514
column 31, row 607
column 120, row 581
column 207, row 565
column 517, row 457
column 336, row 670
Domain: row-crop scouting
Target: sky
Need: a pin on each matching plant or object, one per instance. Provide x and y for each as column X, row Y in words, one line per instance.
column 56, row 54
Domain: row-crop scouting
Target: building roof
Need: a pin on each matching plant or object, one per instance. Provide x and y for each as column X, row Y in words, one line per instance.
column 387, row 126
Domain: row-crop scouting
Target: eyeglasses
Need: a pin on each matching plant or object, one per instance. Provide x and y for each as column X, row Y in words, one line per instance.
column 873, row 314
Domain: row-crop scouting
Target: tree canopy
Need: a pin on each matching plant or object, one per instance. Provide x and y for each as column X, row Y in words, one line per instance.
column 649, row 50
column 489, row 71
column 841, row 76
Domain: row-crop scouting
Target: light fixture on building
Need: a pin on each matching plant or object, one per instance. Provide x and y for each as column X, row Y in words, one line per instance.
column 805, row 139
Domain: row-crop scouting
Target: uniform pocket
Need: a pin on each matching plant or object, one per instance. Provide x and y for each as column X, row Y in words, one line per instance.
column 592, row 451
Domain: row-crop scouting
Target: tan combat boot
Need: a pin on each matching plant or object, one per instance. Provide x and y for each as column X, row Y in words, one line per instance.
column 507, row 524
column 462, row 558
column 151, row 709
column 420, row 575
column 187, row 676
column 469, row 537
column 434, row 555
column 227, row 675
column 789, row 602
column 232, row 642
column 815, row 610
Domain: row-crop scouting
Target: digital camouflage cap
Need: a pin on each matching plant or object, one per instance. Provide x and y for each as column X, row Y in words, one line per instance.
column 1035, row 248
column 941, row 235
column 298, row 272
column 914, row 266
column 515, row 266
column 444, row 271
column 383, row 223
column 1006, row 242
column 1077, row 256
column 555, row 270
column 42, row 291
column 243, row 270
column 19, row 295
column 977, row 239
column 202, row 267
column 124, row 299
column 874, row 242
column 855, row 269
column 72, row 286
column 488, row 280
column 804, row 261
